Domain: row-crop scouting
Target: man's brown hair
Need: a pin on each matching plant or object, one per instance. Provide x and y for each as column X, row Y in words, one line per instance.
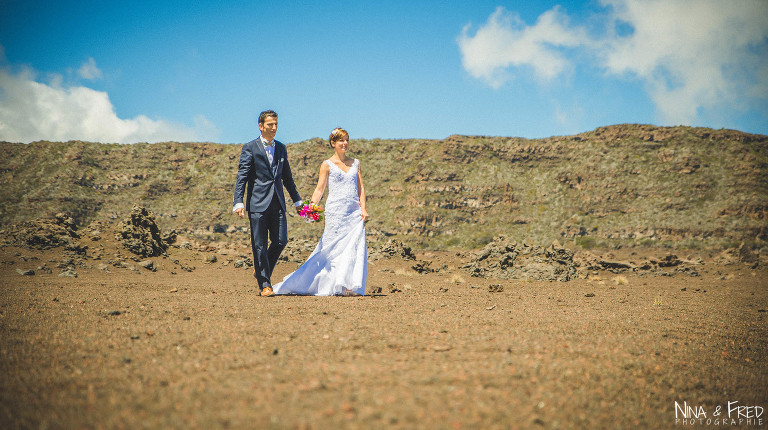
column 266, row 114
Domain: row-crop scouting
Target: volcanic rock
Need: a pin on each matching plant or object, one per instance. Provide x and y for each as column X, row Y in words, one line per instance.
column 43, row 233
column 141, row 235
column 504, row 258
column 69, row 273
column 390, row 249
column 148, row 264
column 297, row 250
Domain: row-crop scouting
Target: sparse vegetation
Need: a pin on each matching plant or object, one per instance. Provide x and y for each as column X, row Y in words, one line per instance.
column 620, row 280
column 617, row 186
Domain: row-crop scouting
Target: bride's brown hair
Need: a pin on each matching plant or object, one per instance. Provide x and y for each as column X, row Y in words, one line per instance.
column 337, row 134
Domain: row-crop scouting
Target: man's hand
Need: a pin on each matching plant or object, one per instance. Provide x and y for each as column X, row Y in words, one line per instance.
column 240, row 212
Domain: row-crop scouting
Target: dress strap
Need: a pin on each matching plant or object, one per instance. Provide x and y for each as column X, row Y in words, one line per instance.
column 355, row 162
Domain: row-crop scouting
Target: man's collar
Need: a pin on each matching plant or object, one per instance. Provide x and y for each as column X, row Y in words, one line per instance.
column 265, row 142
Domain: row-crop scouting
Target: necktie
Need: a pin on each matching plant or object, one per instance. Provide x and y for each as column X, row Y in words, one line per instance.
column 269, row 149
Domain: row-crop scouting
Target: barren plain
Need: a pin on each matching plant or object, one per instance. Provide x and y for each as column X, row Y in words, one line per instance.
column 613, row 279
column 189, row 343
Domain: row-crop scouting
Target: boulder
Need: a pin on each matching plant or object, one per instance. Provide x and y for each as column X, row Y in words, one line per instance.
column 506, row 259
column 44, row 233
column 391, row 249
column 149, row 265
column 141, row 235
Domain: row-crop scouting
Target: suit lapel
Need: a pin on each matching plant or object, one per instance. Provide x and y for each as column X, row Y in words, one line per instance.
column 278, row 154
column 263, row 153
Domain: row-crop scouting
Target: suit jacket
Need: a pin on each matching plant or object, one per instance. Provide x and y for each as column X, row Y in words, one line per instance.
column 259, row 181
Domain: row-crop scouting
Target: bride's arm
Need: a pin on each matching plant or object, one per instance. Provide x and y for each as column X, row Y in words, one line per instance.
column 322, row 181
column 361, row 193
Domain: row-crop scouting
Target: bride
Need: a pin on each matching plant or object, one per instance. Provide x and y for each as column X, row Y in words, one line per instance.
column 339, row 263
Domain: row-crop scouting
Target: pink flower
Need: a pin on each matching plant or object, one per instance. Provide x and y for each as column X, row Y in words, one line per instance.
column 310, row 212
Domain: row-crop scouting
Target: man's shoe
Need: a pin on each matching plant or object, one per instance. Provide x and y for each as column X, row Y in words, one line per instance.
column 267, row 292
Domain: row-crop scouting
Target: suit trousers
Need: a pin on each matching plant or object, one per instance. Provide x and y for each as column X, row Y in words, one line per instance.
column 270, row 224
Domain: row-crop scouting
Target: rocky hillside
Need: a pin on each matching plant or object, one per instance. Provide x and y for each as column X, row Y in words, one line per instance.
column 623, row 185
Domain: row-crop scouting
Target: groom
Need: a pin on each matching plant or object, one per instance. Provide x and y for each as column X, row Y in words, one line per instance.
column 262, row 171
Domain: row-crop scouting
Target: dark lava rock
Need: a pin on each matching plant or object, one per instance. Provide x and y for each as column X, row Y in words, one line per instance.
column 423, row 267
column 670, row 260
column 506, row 259
column 393, row 248
column 297, row 250
column 148, row 264
column 140, row 234
column 68, row 273
column 747, row 255
column 44, row 233
column 617, row 266
column 244, row 262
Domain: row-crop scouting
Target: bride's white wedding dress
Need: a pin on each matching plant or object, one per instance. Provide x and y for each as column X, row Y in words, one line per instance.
column 339, row 263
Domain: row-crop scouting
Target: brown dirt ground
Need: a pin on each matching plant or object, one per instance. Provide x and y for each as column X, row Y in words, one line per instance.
column 201, row 349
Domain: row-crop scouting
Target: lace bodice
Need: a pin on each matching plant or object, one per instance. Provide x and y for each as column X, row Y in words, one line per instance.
column 342, row 189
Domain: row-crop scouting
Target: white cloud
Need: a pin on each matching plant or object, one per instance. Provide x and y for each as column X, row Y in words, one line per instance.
column 505, row 41
column 691, row 55
column 89, row 70
column 31, row 110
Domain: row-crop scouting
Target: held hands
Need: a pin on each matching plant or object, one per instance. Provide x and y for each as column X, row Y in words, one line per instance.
column 241, row 211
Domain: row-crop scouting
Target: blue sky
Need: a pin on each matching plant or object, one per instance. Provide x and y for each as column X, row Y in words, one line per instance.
column 203, row 70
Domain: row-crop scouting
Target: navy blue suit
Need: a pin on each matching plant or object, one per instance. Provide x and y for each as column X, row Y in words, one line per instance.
column 262, row 185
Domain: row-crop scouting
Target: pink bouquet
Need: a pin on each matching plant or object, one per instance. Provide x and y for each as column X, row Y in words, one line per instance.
column 311, row 212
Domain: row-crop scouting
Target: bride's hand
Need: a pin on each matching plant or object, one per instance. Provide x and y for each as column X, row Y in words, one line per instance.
column 364, row 215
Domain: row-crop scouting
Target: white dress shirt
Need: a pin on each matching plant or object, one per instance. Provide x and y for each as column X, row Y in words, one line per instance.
column 269, row 148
